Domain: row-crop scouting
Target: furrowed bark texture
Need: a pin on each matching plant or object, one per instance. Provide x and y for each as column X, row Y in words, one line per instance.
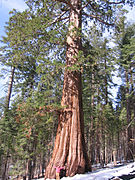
column 69, row 148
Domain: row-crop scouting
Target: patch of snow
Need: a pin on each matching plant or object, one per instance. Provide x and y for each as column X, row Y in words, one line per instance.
column 104, row 174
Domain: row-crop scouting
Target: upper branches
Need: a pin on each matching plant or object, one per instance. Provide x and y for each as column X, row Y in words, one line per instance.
column 60, row 17
column 67, row 2
column 98, row 19
column 103, row 11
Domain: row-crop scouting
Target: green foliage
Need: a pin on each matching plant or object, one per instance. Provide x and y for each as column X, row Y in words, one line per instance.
column 123, row 116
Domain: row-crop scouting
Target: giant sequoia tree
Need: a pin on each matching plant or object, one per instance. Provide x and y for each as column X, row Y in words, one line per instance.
column 69, row 148
column 47, row 23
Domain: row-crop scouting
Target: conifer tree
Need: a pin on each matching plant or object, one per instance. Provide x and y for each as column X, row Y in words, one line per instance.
column 125, row 41
column 31, row 79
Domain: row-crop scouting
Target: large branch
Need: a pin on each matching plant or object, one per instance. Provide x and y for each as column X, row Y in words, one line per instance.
column 90, row 3
column 68, row 3
column 59, row 18
column 119, row 2
column 85, row 6
column 98, row 18
column 64, row 1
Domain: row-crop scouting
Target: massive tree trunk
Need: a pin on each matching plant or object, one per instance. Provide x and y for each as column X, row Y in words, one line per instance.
column 69, row 148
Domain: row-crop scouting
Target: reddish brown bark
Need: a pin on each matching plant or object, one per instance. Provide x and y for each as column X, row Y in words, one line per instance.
column 11, row 80
column 69, row 148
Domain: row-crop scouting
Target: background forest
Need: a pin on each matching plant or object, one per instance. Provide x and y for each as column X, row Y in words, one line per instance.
column 34, row 54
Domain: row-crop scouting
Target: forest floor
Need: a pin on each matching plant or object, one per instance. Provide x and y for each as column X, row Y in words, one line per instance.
column 121, row 171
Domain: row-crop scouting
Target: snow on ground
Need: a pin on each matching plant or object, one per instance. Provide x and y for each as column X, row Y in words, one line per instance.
column 105, row 173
